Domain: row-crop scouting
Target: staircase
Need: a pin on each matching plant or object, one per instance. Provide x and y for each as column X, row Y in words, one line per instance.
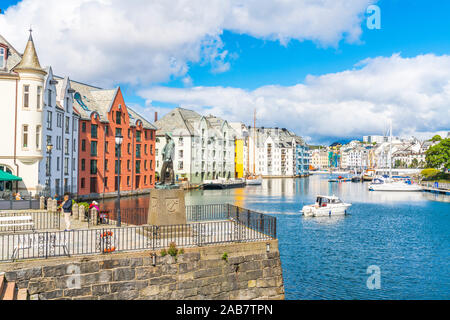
column 9, row 291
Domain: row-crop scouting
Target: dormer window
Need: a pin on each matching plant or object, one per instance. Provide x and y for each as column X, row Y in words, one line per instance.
column 2, row 58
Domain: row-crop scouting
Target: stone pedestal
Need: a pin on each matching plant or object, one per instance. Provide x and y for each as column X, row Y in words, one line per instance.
column 167, row 207
column 41, row 203
column 75, row 211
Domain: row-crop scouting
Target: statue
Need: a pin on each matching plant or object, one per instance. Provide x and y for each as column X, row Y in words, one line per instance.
column 168, row 155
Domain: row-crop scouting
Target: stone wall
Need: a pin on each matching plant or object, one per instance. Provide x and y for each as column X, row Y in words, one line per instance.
column 249, row 272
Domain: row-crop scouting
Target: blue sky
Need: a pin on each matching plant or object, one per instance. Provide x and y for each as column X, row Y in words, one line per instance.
column 409, row 28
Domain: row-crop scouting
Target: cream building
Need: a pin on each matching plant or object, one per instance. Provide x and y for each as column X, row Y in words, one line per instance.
column 22, row 81
column 204, row 145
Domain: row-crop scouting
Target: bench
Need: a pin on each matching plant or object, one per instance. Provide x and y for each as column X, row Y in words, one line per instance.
column 17, row 221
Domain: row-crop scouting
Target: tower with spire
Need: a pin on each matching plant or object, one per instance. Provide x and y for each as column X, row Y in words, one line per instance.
column 21, row 123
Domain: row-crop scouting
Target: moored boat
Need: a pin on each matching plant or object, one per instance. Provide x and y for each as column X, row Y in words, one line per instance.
column 326, row 206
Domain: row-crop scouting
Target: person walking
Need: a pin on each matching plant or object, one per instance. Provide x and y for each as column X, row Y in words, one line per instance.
column 67, row 210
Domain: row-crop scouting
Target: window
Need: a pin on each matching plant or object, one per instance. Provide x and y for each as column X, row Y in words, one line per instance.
column 156, row 152
column 145, row 165
column 107, row 130
column 151, row 179
column 38, row 137
column 67, row 124
column 94, row 148
column 138, row 136
column 2, row 57
column 49, row 120
column 180, row 165
column 106, row 164
column 118, row 132
column 49, row 97
column 83, row 126
column 145, row 149
column 58, row 164
column 151, row 164
column 39, row 98
column 138, row 166
column 128, row 165
column 74, row 145
column 118, row 150
column 151, row 149
column 26, row 96
column 83, row 145
column 118, row 117
column 129, row 133
column 83, row 164
column 82, row 183
column 128, row 181
column 146, row 135
column 93, row 166
column 145, row 179
column 106, row 146
column 151, row 137
column 25, row 136
column 180, row 154
column 66, row 166
column 66, row 146
column 94, row 130
column 129, row 148
column 180, row 142
column 138, row 151
column 105, row 181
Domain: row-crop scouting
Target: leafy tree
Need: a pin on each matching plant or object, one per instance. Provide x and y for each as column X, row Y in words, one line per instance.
column 414, row 163
column 397, row 164
column 436, row 138
column 438, row 156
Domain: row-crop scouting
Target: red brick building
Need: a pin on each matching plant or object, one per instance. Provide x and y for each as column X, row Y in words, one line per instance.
column 104, row 115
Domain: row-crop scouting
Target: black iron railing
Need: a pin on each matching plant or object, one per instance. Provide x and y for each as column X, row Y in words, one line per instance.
column 220, row 224
column 129, row 216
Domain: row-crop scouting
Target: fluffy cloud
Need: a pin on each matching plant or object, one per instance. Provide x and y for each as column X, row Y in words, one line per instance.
column 139, row 42
column 413, row 92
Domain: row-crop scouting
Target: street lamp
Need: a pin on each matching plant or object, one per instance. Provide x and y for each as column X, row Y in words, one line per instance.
column 119, row 140
column 49, row 151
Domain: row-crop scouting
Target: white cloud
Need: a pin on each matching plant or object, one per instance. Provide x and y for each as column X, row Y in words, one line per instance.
column 138, row 42
column 413, row 92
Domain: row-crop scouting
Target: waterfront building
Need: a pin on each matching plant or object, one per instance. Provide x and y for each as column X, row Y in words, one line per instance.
column 104, row 115
column 274, row 152
column 302, row 157
column 319, row 159
column 205, row 145
column 22, row 80
column 58, row 170
column 241, row 150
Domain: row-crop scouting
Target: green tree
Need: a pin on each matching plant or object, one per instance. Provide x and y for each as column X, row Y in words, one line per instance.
column 414, row 163
column 397, row 163
column 438, row 156
column 436, row 138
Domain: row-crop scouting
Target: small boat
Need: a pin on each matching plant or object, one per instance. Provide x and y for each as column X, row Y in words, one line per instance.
column 392, row 185
column 368, row 175
column 339, row 179
column 223, row 184
column 326, row 206
column 254, row 181
column 356, row 179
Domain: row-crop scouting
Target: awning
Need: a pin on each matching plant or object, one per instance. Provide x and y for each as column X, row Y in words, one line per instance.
column 5, row 176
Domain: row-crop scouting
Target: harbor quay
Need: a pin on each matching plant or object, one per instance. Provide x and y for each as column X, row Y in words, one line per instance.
column 223, row 252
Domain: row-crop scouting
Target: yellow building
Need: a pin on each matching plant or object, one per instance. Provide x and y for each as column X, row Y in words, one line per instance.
column 239, row 158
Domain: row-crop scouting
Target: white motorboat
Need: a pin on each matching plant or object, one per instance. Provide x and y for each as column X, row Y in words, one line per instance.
column 326, row 206
column 389, row 185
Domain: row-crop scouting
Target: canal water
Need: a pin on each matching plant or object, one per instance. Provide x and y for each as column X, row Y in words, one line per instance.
column 406, row 236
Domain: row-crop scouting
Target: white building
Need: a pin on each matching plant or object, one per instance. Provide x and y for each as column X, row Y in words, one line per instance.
column 275, row 152
column 204, row 146
column 22, row 81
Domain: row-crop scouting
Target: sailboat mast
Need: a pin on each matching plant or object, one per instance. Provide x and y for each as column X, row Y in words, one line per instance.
column 390, row 150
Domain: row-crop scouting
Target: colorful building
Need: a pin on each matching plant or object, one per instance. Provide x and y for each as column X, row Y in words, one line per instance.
column 104, row 115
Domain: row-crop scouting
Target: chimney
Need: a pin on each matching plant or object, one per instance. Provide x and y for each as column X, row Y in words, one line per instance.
column 156, row 116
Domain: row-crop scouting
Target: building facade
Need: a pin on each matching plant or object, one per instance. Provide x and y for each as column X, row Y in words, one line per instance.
column 104, row 115
column 58, row 170
column 204, row 145
column 22, row 80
